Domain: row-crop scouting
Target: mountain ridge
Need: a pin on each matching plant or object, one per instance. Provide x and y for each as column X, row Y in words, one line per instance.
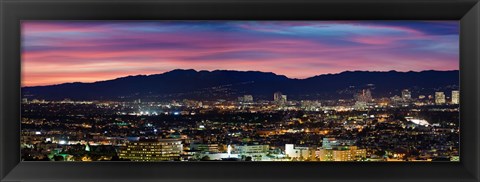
column 228, row 84
column 142, row 75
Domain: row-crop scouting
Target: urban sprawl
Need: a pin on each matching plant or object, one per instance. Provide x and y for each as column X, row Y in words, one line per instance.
column 399, row 128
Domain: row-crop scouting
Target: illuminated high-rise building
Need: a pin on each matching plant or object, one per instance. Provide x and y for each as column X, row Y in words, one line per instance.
column 153, row 150
column 277, row 96
column 455, row 97
column 440, row 98
column 364, row 96
column 406, row 95
column 247, row 98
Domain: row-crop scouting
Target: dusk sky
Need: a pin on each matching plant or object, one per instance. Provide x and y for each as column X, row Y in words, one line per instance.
column 56, row 52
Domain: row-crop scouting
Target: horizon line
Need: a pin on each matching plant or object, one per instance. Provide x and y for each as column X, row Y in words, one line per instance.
column 232, row 70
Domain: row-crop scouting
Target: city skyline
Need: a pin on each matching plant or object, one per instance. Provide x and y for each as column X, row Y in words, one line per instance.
column 56, row 52
column 362, row 129
column 281, row 91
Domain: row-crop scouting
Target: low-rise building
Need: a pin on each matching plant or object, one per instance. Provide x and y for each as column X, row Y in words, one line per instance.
column 345, row 153
column 153, row 150
column 300, row 153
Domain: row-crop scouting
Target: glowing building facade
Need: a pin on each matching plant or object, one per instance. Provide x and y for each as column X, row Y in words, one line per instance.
column 440, row 98
column 344, row 153
column 455, row 97
column 406, row 95
column 153, row 150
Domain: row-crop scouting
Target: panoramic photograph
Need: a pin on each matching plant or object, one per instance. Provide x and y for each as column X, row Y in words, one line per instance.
column 261, row 91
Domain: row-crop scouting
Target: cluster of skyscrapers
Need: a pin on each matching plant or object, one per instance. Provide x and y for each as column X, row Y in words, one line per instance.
column 439, row 98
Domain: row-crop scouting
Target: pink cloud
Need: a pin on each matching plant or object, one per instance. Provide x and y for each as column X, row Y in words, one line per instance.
column 50, row 58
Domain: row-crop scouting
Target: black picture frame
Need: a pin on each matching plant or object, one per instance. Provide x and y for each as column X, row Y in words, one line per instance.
column 13, row 11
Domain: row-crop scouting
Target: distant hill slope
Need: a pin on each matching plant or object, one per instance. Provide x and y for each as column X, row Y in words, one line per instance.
column 225, row 84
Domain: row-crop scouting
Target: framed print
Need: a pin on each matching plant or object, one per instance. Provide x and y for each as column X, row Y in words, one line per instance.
column 239, row 90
